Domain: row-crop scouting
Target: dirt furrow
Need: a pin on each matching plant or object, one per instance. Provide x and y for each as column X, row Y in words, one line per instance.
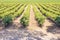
column 47, row 23
column 33, row 25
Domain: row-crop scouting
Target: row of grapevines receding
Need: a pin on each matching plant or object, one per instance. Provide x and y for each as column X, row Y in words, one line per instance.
column 53, row 7
column 47, row 13
column 57, row 6
column 55, row 17
column 1, row 9
column 19, row 12
column 10, row 8
column 5, row 11
column 50, row 10
column 50, row 15
column 25, row 19
column 15, row 12
column 9, row 12
column 5, row 6
column 9, row 18
column 39, row 17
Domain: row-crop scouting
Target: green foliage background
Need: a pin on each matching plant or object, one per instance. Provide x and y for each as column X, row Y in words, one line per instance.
column 29, row 1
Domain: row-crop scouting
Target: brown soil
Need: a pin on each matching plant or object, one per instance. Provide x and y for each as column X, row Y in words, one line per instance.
column 47, row 23
column 33, row 25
